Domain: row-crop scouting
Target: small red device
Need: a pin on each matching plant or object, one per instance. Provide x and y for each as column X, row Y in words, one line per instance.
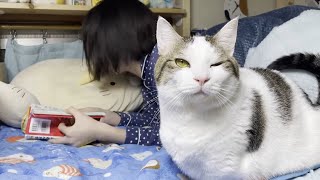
column 41, row 122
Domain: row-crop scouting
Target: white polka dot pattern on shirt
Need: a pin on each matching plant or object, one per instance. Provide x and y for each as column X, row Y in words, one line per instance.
column 148, row 115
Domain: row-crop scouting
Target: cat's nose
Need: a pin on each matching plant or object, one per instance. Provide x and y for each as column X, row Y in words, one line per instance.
column 202, row 81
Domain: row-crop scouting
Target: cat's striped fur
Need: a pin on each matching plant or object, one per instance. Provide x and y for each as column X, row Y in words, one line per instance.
column 220, row 121
column 301, row 61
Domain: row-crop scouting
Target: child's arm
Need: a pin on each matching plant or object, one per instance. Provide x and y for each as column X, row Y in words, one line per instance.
column 139, row 119
column 145, row 136
column 86, row 130
column 145, row 117
column 141, row 128
column 148, row 114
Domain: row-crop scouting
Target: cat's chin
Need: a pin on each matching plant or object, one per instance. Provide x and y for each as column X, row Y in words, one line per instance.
column 201, row 99
column 201, row 94
column 206, row 100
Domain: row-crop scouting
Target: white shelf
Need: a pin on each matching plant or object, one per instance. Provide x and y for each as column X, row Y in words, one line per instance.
column 50, row 9
column 49, row 14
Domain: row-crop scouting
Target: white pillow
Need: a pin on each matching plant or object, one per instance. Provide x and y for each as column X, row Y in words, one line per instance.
column 57, row 83
column 300, row 34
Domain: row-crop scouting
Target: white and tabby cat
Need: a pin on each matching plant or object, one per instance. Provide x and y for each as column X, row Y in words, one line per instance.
column 222, row 121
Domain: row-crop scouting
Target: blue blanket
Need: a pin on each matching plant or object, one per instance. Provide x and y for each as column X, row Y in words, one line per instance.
column 34, row 159
column 22, row 159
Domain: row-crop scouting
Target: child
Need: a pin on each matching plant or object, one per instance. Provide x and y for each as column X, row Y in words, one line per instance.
column 118, row 37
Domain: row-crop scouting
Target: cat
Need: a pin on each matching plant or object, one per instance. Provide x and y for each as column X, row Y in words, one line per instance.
column 301, row 61
column 220, row 121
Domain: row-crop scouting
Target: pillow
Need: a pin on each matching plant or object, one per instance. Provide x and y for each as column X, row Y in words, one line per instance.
column 59, row 83
column 252, row 30
column 300, row 34
column 14, row 103
column 18, row 57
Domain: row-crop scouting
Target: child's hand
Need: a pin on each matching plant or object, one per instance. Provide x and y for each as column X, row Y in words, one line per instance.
column 86, row 130
column 82, row 132
column 110, row 118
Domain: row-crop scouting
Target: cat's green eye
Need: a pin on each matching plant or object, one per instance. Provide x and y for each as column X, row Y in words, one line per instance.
column 182, row 63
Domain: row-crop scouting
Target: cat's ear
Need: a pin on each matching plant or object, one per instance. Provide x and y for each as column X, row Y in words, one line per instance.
column 167, row 37
column 226, row 37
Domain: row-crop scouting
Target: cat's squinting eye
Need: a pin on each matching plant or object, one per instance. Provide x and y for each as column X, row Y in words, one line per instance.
column 182, row 63
column 217, row 64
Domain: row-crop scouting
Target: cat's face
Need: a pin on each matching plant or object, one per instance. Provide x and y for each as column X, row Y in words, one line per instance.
column 198, row 69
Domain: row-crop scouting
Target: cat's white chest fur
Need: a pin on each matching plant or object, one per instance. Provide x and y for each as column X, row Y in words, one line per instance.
column 194, row 141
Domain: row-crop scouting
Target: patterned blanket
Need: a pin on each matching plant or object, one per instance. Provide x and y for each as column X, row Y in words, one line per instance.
column 32, row 159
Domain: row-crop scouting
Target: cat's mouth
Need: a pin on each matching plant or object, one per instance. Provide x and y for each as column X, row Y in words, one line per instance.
column 196, row 92
column 201, row 92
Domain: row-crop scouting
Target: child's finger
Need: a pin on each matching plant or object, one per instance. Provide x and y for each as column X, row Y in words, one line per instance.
column 63, row 128
column 62, row 140
column 75, row 112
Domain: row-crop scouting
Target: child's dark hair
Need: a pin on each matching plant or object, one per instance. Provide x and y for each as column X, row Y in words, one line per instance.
column 116, row 32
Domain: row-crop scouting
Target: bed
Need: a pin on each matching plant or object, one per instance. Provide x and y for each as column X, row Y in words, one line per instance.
column 35, row 159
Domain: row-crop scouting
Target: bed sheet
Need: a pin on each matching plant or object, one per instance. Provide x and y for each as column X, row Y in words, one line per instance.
column 23, row 159
column 27, row 159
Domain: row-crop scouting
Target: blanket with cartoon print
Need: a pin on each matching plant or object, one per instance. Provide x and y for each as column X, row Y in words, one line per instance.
column 33, row 159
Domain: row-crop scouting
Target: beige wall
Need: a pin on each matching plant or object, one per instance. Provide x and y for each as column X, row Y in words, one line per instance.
column 206, row 13
column 256, row 7
column 2, row 71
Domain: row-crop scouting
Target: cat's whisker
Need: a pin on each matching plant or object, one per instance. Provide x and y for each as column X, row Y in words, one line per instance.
column 224, row 104
column 225, row 98
column 219, row 101
column 228, row 103
column 156, row 114
column 227, row 85
column 223, row 88
column 151, row 92
column 226, row 92
column 169, row 102
column 172, row 107
column 153, row 100
column 152, row 86
column 219, row 90
column 173, row 99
